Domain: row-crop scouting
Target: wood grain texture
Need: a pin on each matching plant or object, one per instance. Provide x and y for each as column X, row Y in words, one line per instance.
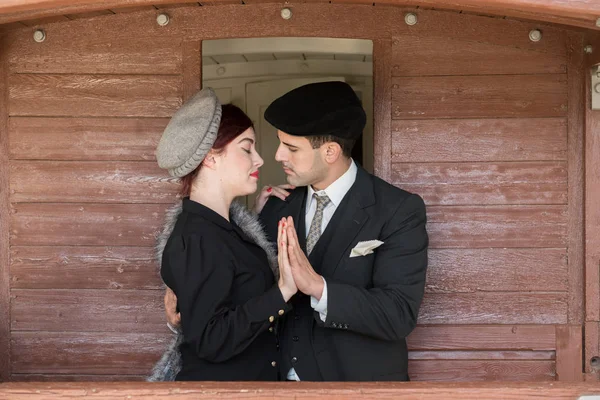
column 5, row 370
column 576, row 188
column 83, row 267
column 76, row 378
column 493, row 308
column 382, row 112
column 592, row 210
column 51, row 224
column 91, row 182
column 481, row 370
column 94, row 95
column 97, row 55
column 473, row 140
column 489, row 183
column 582, row 13
column 128, row 353
column 87, row 310
column 497, row 226
column 300, row 390
column 591, row 349
column 432, row 56
column 85, row 138
column 191, row 68
column 569, row 353
column 483, row 337
column 502, row 270
column 481, row 355
column 497, row 96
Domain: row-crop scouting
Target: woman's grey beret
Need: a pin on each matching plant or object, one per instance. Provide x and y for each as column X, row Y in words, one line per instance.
column 190, row 134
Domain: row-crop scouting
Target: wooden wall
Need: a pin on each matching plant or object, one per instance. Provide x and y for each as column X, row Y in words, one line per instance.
column 484, row 124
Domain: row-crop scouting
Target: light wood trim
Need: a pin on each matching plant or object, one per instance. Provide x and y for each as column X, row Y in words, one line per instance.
column 581, row 13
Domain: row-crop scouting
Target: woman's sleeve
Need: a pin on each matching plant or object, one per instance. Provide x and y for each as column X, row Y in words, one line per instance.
column 204, row 274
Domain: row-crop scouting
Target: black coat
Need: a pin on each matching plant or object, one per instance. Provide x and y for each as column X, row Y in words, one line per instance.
column 227, row 296
column 373, row 300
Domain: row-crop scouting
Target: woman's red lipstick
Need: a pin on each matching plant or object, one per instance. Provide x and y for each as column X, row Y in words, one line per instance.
column 254, row 174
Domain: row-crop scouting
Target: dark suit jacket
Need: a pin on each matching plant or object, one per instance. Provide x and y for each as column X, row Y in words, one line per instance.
column 373, row 300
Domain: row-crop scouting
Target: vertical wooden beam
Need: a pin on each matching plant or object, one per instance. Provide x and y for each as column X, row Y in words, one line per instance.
column 576, row 99
column 192, row 68
column 4, row 219
column 569, row 353
column 382, row 108
column 592, row 215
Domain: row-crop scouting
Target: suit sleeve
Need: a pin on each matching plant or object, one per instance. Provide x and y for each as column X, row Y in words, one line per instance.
column 216, row 328
column 388, row 310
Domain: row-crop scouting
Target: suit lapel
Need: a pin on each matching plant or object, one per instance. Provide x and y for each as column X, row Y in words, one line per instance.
column 346, row 223
column 296, row 210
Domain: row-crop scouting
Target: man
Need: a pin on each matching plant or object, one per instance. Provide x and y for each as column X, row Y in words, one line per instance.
column 361, row 271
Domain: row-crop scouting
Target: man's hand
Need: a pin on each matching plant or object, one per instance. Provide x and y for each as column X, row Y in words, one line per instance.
column 307, row 280
column 173, row 317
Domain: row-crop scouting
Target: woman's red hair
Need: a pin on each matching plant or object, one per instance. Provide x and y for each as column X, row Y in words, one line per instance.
column 234, row 122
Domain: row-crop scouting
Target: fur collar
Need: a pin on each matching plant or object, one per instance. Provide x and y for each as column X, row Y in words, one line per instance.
column 169, row 365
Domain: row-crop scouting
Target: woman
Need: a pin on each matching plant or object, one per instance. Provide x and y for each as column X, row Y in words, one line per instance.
column 216, row 257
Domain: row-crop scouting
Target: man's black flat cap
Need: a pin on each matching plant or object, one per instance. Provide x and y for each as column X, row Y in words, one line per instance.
column 316, row 109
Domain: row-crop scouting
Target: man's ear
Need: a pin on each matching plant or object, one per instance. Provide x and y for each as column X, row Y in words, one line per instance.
column 333, row 151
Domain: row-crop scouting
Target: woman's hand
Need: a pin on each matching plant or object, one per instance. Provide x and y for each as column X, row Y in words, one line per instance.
column 287, row 285
column 281, row 191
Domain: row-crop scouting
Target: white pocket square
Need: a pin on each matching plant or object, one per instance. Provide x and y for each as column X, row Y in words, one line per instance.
column 364, row 248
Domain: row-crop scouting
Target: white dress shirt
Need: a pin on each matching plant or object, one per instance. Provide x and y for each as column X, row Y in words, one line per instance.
column 336, row 192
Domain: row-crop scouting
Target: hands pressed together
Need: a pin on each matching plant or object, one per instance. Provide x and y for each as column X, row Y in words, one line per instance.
column 296, row 273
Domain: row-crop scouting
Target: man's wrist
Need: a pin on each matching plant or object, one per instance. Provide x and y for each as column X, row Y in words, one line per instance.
column 317, row 288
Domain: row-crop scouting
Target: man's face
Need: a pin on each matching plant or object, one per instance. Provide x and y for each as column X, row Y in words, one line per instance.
column 302, row 164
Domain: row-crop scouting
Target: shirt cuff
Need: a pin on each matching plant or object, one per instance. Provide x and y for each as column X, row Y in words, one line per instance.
column 320, row 305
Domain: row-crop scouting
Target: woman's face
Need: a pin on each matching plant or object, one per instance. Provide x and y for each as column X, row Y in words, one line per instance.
column 240, row 163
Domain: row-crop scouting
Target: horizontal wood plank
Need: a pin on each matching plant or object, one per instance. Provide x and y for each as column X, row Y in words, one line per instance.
column 489, row 183
column 85, row 224
column 87, row 310
column 483, row 337
column 497, row 226
column 300, row 390
column 94, row 95
column 83, row 267
column 91, row 182
column 85, row 138
column 481, row 370
column 496, row 96
column 494, row 308
column 95, row 56
column 482, row 355
column 430, row 56
column 129, row 353
column 75, row 378
column 472, row 140
column 510, row 270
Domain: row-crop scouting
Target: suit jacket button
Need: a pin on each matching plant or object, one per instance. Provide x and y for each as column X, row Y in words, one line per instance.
column 271, row 318
column 273, row 363
column 271, row 329
column 295, row 338
column 280, row 312
column 334, row 324
column 294, row 360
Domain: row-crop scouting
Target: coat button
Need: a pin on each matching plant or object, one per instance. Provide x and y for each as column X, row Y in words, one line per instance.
column 294, row 360
column 273, row 363
column 271, row 318
column 271, row 329
column 280, row 312
column 295, row 338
